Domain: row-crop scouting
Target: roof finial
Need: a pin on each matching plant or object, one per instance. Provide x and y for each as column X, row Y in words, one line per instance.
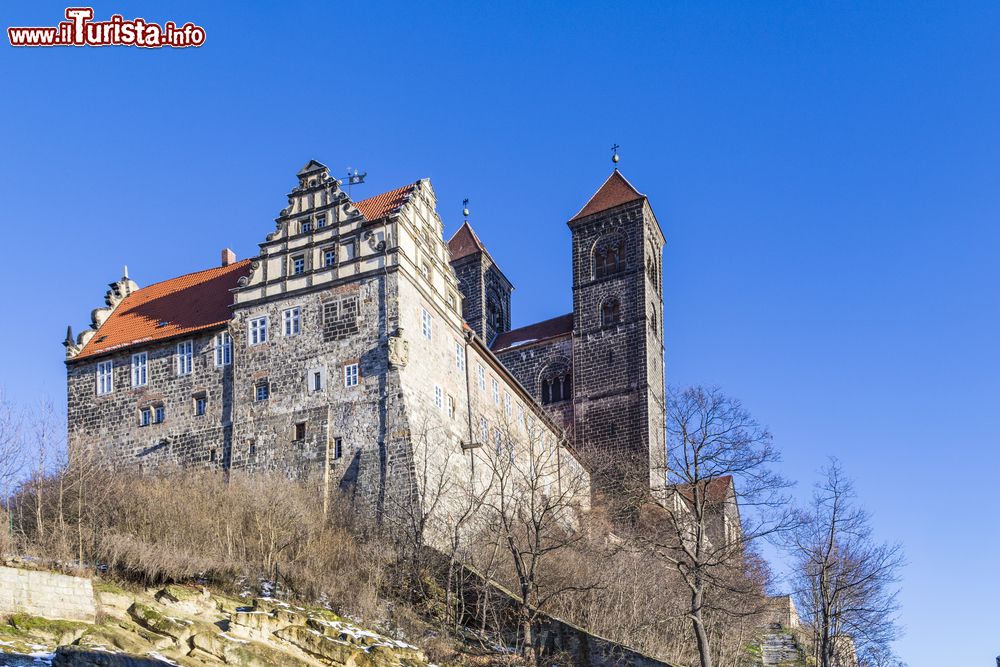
column 465, row 208
column 614, row 155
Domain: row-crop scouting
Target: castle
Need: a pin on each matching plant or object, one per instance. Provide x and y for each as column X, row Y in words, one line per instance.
column 357, row 331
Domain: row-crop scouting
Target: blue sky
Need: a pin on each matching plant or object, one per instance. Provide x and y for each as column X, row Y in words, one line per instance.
column 825, row 175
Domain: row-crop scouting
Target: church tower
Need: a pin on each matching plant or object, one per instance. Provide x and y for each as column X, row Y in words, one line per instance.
column 618, row 374
column 485, row 289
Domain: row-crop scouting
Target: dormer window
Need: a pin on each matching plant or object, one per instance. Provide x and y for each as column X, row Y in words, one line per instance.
column 298, row 264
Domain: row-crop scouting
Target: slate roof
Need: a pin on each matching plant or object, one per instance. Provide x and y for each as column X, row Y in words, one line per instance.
column 176, row 307
column 557, row 326
column 615, row 192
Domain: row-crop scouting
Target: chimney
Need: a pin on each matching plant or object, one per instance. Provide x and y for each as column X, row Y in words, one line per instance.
column 228, row 257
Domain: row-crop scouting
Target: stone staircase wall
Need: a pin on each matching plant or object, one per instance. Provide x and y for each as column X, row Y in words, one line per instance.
column 46, row 594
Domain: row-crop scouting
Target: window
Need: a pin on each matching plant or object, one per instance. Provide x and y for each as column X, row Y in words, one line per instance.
column 452, row 301
column 338, row 448
column 211, row 455
column 425, row 323
column 610, row 312
column 145, row 417
column 185, row 357
column 317, row 380
column 139, row 376
column 159, row 414
column 438, row 397
column 298, row 264
column 200, row 403
column 507, row 405
column 329, row 257
column 105, row 378
column 459, row 356
column 481, row 373
column 251, row 448
column 223, row 349
column 498, row 440
column 300, row 431
column 609, row 256
column 496, row 392
column 306, row 226
column 351, row 375
column 557, row 384
column 451, row 406
column 520, row 414
column 320, row 221
column 426, row 271
column 348, row 250
column 257, row 332
column 262, row 390
column 484, row 430
column 292, row 321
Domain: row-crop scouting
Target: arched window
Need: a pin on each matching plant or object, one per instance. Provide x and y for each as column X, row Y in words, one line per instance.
column 609, row 256
column 557, row 384
column 610, row 312
column 494, row 311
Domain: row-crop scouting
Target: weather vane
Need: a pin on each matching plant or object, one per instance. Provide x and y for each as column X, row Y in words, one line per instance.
column 614, row 154
column 354, row 178
column 465, row 208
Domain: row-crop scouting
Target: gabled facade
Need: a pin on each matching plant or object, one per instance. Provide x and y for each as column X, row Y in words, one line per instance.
column 339, row 356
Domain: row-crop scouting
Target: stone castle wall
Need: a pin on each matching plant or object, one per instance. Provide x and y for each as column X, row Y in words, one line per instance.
column 46, row 594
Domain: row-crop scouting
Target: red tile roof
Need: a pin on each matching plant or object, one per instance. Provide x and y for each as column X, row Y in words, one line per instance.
column 557, row 326
column 175, row 307
column 465, row 243
column 615, row 192
column 386, row 203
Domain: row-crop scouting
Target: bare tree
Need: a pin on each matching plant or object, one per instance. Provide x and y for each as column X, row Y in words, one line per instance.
column 533, row 512
column 723, row 497
column 11, row 463
column 847, row 579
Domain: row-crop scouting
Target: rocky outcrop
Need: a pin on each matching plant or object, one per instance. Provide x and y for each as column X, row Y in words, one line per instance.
column 188, row 626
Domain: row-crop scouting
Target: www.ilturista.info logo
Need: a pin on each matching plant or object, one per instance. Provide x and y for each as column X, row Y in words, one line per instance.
column 80, row 30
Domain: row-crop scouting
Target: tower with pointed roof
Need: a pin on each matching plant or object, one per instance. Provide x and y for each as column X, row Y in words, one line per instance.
column 485, row 289
column 618, row 369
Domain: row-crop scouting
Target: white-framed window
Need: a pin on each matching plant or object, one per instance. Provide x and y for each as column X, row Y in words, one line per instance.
column 451, row 406
column 292, row 321
column 481, row 374
column 105, row 377
column 159, row 414
column 185, row 357
column 320, row 221
column 460, row 356
column 507, row 405
column 298, row 265
column 329, row 257
column 351, row 375
column 484, row 430
column 438, row 397
column 426, row 325
column 200, row 403
column 223, row 349
column 140, row 362
column 257, row 330
column 496, row 392
column 498, row 440
column 145, row 417
column 338, row 448
column 306, row 226
column 520, row 415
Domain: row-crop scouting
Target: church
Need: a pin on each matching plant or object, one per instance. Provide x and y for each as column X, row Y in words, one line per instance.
column 358, row 346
